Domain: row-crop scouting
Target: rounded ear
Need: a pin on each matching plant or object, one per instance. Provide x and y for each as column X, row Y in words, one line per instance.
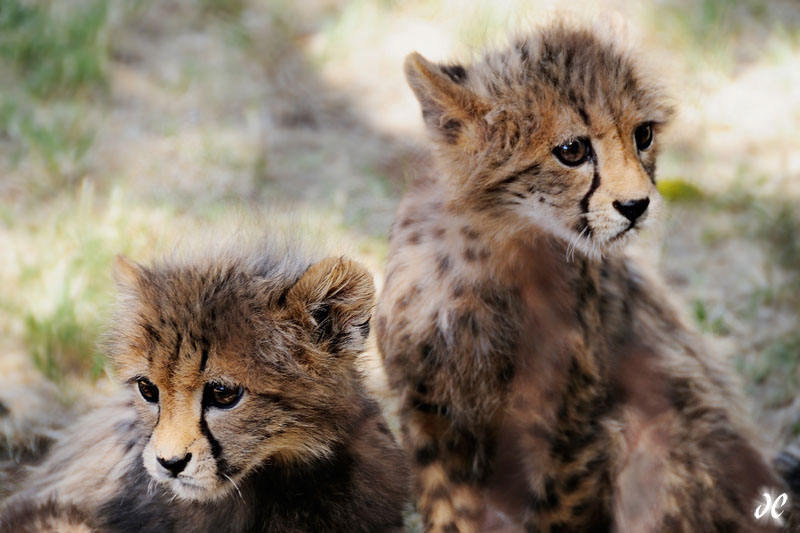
column 127, row 274
column 334, row 299
column 449, row 108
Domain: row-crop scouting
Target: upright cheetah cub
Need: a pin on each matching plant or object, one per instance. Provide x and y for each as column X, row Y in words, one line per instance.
column 546, row 381
column 244, row 412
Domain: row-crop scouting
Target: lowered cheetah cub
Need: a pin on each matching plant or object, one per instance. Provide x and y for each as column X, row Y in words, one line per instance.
column 546, row 382
column 245, row 410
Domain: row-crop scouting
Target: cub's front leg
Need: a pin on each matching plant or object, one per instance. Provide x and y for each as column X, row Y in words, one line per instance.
column 450, row 466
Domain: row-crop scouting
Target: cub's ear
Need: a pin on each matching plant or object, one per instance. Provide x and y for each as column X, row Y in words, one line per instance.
column 127, row 274
column 334, row 299
column 450, row 110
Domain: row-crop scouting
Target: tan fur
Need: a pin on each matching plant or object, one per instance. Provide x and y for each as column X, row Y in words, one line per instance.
column 302, row 449
column 545, row 378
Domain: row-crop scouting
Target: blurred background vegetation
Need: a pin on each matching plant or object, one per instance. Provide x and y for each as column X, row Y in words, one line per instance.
column 126, row 125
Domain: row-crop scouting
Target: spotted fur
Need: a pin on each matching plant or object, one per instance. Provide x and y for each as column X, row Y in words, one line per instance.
column 303, row 449
column 546, row 382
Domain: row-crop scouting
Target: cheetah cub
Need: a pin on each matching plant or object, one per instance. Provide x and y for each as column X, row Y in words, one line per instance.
column 546, row 382
column 245, row 410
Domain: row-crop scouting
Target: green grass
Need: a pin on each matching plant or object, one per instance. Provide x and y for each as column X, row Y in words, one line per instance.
column 55, row 65
column 55, row 52
column 677, row 190
column 775, row 225
column 60, row 269
column 709, row 32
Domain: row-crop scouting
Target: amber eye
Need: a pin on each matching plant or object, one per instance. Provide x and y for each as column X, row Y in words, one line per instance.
column 222, row 396
column 148, row 391
column 573, row 153
column 643, row 135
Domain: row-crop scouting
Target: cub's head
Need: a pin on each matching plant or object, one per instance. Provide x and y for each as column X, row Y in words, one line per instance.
column 238, row 363
column 560, row 130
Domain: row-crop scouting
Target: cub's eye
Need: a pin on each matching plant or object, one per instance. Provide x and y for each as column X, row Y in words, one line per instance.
column 148, row 391
column 573, row 153
column 222, row 396
column 643, row 135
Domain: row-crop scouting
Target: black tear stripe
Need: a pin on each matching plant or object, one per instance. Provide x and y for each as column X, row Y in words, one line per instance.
column 585, row 202
column 223, row 468
column 650, row 169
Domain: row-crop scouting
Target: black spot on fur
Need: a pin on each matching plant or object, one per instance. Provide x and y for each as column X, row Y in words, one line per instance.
column 129, row 444
column 458, row 290
column 680, row 394
column 427, row 352
column 383, row 428
column 364, row 328
column 585, row 117
column 451, row 129
column 443, row 264
column 548, row 500
column 438, row 493
column 522, row 49
column 404, row 302
column 152, row 333
column 178, row 343
column 429, row 408
column 471, row 233
column 573, row 482
column 455, row 72
column 468, row 322
column 507, row 373
column 204, row 347
column 426, row 455
column 3, row 409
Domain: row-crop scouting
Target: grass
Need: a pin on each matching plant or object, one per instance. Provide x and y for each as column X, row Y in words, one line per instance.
column 774, row 224
column 779, row 230
column 677, row 190
column 56, row 64
column 60, row 271
column 55, row 52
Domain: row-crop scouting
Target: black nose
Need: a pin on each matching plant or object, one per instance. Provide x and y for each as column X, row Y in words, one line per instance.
column 632, row 209
column 175, row 466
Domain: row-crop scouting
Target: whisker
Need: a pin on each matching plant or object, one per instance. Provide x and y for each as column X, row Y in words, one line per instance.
column 573, row 244
column 235, row 486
